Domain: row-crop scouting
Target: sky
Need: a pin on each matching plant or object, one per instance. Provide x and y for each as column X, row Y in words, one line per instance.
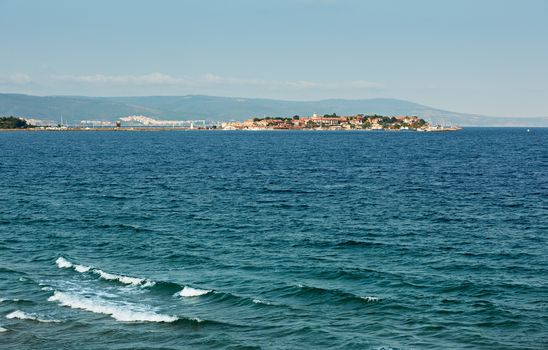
column 485, row 57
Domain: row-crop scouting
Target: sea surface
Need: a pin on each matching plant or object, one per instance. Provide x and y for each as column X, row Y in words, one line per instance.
column 274, row 240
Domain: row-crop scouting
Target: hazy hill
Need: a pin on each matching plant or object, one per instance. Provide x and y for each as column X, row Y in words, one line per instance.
column 76, row 108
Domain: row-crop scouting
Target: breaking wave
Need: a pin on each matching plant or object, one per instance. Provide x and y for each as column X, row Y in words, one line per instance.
column 21, row 315
column 370, row 299
column 135, row 281
column 188, row 292
column 63, row 263
column 120, row 312
column 174, row 289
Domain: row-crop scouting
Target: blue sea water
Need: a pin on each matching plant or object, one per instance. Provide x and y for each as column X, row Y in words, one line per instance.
column 274, row 240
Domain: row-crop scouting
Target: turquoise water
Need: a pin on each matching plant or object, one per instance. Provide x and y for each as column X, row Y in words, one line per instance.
column 274, row 240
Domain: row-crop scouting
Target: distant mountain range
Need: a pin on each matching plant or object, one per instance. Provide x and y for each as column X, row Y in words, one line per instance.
column 76, row 108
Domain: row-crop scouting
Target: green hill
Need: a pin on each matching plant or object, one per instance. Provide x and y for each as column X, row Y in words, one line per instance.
column 76, row 108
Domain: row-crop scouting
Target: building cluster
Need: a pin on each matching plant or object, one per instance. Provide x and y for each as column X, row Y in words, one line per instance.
column 147, row 121
column 141, row 120
column 314, row 122
column 332, row 122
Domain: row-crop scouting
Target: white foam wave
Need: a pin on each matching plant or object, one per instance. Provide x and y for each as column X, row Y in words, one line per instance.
column 123, row 279
column 124, row 313
column 135, row 281
column 82, row 268
column 188, row 292
column 63, row 263
column 2, row 329
column 370, row 299
column 259, row 301
column 21, row 315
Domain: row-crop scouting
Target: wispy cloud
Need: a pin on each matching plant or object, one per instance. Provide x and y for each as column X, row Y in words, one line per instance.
column 146, row 79
column 16, row 78
column 294, row 84
column 212, row 80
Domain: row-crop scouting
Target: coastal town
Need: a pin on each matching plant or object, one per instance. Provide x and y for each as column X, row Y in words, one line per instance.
column 335, row 122
column 296, row 122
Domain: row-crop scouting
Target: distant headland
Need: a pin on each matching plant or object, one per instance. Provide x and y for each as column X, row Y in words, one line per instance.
column 296, row 122
column 335, row 122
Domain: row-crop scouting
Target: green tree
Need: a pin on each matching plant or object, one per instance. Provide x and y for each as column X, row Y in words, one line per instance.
column 12, row 122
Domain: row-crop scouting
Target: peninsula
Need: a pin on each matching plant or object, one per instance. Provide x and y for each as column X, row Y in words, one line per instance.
column 335, row 122
column 314, row 122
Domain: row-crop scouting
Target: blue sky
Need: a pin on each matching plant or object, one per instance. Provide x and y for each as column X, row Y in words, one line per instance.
column 482, row 56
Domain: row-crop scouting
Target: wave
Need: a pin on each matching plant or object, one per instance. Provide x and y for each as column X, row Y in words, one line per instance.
column 170, row 288
column 63, row 263
column 353, row 243
column 123, row 313
column 81, row 268
column 7, row 270
column 16, row 301
column 128, row 227
column 188, row 292
column 21, row 315
column 226, row 298
column 2, row 329
column 311, row 292
column 135, row 281
column 370, row 299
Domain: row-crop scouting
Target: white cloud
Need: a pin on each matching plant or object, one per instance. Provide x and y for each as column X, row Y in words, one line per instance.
column 16, row 78
column 146, row 79
column 293, row 84
column 213, row 80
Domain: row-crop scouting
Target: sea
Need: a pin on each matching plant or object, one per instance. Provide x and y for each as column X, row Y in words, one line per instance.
column 274, row 239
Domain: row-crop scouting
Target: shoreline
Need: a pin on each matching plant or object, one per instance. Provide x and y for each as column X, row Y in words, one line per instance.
column 139, row 129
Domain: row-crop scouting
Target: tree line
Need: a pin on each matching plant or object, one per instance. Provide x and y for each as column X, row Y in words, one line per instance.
column 12, row 122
